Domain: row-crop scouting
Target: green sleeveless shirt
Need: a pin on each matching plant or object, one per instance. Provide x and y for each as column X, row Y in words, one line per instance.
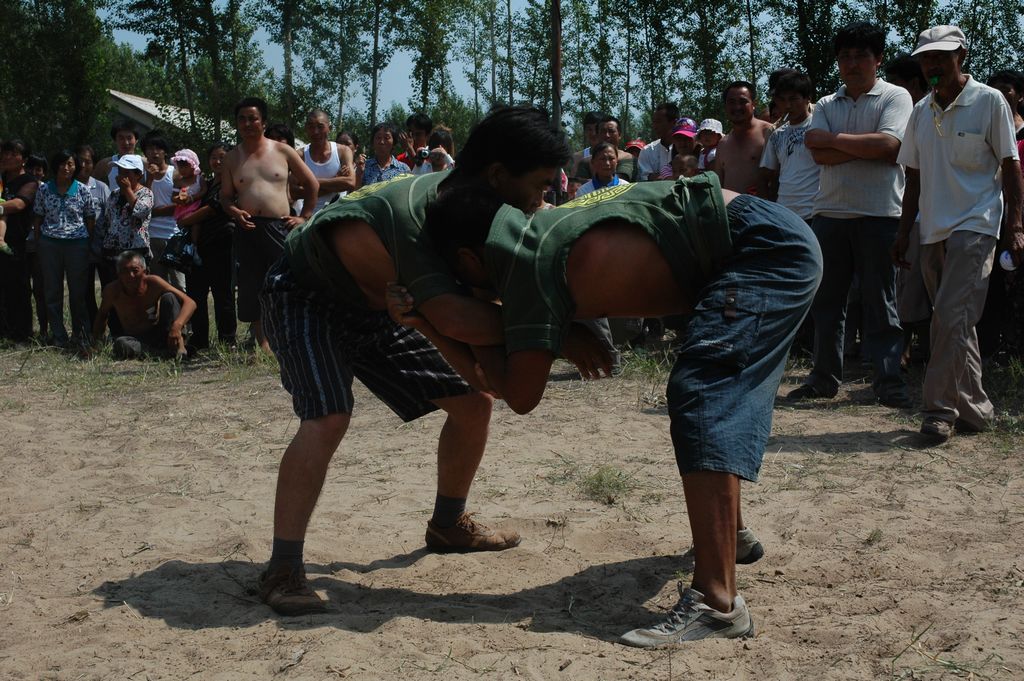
column 526, row 256
column 395, row 209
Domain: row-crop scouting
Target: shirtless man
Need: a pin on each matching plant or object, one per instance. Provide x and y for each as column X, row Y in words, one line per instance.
column 744, row 269
column 151, row 311
column 330, row 162
column 254, row 192
column 738, row 158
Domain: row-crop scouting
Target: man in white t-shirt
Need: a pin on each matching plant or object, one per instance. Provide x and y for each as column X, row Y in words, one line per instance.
column 961, row 159
column 791, row 175
column 658, row 153
column 854, row 137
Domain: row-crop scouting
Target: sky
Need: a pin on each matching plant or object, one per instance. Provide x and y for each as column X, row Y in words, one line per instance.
column 395, row 82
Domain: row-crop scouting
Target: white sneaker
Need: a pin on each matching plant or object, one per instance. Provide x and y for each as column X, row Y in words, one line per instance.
column 748, row 550
column 692, row 620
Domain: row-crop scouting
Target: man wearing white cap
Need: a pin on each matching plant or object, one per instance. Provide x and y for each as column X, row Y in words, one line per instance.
column 961, row 160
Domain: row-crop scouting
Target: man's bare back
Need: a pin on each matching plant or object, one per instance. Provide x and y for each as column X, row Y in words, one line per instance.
column 738, row 157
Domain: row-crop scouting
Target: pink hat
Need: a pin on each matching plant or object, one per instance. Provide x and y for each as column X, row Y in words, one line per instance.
column 686, row 127
column 189, row 157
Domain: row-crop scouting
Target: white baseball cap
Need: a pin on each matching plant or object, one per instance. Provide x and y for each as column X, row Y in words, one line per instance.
column 130, row 162
column 710, row 124
column 941, row 38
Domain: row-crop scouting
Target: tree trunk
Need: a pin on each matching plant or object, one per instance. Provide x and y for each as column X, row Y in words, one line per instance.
column 508, row 55
column 750, row 31
column 186, row 81
column 286, row 44
column 556, row 62
column 375, row 63
column 626, row 123
column 494, row 51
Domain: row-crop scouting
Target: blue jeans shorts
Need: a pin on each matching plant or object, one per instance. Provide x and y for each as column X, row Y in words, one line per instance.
column 734, row 347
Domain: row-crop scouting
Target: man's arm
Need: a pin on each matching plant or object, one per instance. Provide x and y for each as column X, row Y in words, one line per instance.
column 345, row 180
column 26, row 196
column 106, row 304
column 228, row 195
column 464, row 319
column 769, row 184
column 911, row 205
column 310, row 186
column 188, row 308
column 1013, row 189
column 718, row 165
column 872, row 146
column 520, row 377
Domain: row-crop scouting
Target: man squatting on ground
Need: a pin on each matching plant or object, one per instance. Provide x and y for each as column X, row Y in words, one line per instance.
column 151, row 312
column 745, row 270
column 326, row 320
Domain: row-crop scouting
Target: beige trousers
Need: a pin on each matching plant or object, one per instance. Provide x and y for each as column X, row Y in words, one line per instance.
column 956, row 273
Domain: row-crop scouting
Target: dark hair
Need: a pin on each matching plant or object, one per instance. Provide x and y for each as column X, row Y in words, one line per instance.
column 774, row 76
column 609, row 118
column 83, row 148
column 522, row 138
column 351, row 135
column 61, row 157
column 317, row 113
column 36, row 161
column 1008, row 76
column 592, row 118
column 16, row 146
column 155, row 138
column 797, row 82
column 738, row 84
column 600, row 147
column 442, row 137
column 254, row 102
column 860, row 35
column 907, row 69
column 125, row 125
column 217, row 145
column 671, row 110
column 419, row 121
column 385, row 125
column 280, row 131
column 461, row 219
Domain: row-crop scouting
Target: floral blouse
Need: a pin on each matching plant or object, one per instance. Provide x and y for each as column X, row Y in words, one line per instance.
column 64, row 215
column 127, row 227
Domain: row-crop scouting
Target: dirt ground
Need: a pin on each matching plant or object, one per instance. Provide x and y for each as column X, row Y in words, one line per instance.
column 136, row 505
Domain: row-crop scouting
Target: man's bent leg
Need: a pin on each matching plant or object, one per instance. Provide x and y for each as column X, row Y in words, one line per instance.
column 459, row 451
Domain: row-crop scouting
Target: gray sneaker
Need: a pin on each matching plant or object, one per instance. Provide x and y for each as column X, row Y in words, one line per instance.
column 748, row 550
column 692, row 620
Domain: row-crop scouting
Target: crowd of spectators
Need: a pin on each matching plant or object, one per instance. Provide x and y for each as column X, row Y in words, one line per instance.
column 891, row 173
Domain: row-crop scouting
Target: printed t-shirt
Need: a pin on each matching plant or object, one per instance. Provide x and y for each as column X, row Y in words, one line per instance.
column 526, row 256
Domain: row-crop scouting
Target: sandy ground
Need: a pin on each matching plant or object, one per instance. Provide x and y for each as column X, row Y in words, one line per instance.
column 135, row 511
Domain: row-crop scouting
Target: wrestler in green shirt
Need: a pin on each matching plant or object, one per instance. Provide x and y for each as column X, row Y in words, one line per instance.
column 526, row 256
column 395, row 210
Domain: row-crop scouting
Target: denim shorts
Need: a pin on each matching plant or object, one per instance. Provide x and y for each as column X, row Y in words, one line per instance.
column 722, row 388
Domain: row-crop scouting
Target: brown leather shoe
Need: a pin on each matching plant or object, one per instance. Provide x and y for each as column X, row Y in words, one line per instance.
column 288, row 593
column 469, row 535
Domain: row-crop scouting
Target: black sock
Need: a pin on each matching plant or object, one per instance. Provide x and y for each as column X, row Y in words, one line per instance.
column 447, row 510
column 286, row 553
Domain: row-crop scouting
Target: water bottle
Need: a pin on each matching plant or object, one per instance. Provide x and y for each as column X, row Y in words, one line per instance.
column 1006, row 261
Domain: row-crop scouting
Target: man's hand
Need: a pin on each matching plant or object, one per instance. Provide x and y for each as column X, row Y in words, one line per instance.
column 1013, row 241
column 241, row 217
column 292, row 221
column 819, row 139
column 899, row 250
column 174, row 338
column 401, row 306
column 582, row 348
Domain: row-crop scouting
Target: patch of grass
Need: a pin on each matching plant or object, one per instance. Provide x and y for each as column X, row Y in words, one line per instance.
column 606, row 484
column 1005, row 387
column 874, row 537
column 650, row 365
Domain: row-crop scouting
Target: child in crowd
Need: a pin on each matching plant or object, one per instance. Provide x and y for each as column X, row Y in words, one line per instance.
column 709, row 134
column 189, row 182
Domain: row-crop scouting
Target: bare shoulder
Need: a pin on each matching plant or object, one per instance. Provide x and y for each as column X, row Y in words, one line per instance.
column 111, row 291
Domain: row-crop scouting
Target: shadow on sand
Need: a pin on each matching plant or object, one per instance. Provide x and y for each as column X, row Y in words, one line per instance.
column 602, row 601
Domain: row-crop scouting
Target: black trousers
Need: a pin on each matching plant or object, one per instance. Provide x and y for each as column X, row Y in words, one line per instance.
column 15, row 296
column 214, row 276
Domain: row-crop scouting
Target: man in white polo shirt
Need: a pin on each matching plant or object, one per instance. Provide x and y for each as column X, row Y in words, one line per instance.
column 961, row 159
column 854, row 137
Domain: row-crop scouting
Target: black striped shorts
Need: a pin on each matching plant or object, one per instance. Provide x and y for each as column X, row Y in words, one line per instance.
column 322, row 344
